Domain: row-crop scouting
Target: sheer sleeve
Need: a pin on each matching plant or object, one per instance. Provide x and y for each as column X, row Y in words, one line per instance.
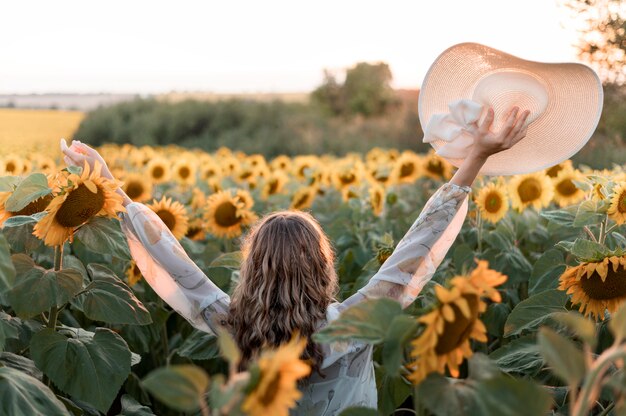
column 416, row 257
column 169, row 270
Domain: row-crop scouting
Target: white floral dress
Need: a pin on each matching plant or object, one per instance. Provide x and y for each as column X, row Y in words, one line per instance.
column 347, row 367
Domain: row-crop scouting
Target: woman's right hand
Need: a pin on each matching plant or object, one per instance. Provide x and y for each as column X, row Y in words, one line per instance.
column 78, row 153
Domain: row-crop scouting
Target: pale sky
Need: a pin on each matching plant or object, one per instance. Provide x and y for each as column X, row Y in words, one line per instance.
column 150, row 46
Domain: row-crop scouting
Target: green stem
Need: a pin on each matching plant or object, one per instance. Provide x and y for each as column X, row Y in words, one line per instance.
column 590, row 234
column 603, row 227
column 58, row 265
column 594, row 377
column 479, row 234
column 607, row 409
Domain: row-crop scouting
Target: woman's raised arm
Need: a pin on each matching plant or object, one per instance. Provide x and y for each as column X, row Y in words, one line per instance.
column 163, row 262
column 418, row 254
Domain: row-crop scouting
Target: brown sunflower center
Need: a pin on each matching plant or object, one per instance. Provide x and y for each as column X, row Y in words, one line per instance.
column 613, row 287
column 79, row 206
column 435, row 166
column 167, row 217
column 621, row 206
column 273, row 187
column 271, row 391
column 134, row 189
column 158, row 172
column 301, row 201
column 184, row 172
column 493, row 202
column 36, row 206
column 454, row 333
column 226, row 215
column 529, row 189
column 554, row 170
column 347, row 178
column 407, row 169
column 566, row 187
column 10, row 167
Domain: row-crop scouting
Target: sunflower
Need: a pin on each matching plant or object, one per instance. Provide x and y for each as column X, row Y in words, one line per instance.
column 617, row 209
column 596, row 286
column 303, row 198
column 493, row 202
column 565, row 190
column 198, row 199
column 83, row 197
column 436, row 167
column 380, row 174
column 133, row 274
column 407, row 168
column 46, row 164
column 184, row 172
column 225, row 214
column 377, row 199
column 302, row 164
column 33, row 207
column 245, row 197
column 349, row 193
column 274, row 184
column 196, row 230
column 554, row 170
column 346, row 174
column 158, row 170
column 229, row 165
column 12, row 165
column 209, row 169
column 173, row 214
column 445, row 340
column 137, row 187
column 277, row 390
column 281, row 162
column 534, row 189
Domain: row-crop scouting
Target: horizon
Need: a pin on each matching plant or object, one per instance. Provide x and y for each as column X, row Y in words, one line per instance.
column 245, row 47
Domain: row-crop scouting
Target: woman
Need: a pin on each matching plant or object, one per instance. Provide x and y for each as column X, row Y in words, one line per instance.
column 287, row 280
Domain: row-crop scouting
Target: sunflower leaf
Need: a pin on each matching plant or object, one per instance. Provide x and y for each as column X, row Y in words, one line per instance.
column 565, row 359
column 231, row 260
column 532, row 312
column 109, row 300
column 588, row 213
column 564, row 216
column 8, row 183
column 33, row 187
column 546, row 272
column 89, row 367
column 180, row 387
column 36, row 289
column 23, row 395
column 367, row 321
column 617, row 324
column 582, row 327
column 587, row 250
column 19, row 220
column 104, row 235
column 7, row 269
column 199, row 346
column 520, row 356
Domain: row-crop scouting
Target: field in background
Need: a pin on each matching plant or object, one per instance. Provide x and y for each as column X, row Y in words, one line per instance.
column 24, row 131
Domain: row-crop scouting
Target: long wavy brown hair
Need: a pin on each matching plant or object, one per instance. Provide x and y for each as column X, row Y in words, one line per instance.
column 287, row 279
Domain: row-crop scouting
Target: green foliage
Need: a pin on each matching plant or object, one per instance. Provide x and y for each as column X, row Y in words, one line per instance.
column 104, row 235
column 181, row 387
column 36, row 289
column 562, row 355
column 89, row 366
column 532, row 312
column 33, row 187
column 23, row 395
column 109, row 300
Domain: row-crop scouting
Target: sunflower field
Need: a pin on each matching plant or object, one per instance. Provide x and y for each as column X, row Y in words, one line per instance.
column 525, row 315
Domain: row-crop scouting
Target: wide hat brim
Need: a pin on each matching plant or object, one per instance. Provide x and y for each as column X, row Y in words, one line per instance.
column 574, row 106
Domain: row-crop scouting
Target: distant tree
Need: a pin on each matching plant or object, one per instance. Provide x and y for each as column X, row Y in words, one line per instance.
column 366, row 91
column 329, row 96
column 603, row 36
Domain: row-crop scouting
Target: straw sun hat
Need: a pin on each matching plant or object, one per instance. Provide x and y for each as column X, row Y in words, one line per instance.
column 564, row 99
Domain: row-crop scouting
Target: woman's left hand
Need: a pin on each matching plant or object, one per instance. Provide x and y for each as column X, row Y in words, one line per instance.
column 487, row 143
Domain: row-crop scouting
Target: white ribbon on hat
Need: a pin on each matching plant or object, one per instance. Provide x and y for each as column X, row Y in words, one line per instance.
column 450, row 128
